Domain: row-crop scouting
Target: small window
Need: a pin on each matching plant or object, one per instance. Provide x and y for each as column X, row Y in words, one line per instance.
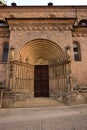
column 5, row 52
column 83, row 23
column 77, row 51
column 3, row 23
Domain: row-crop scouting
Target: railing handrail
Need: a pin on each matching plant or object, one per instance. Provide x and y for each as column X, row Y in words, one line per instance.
column 21, row 63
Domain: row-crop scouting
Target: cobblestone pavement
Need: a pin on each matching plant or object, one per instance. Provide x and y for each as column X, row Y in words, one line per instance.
column 64, row 118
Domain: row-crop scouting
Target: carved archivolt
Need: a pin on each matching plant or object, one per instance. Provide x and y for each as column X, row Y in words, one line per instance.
column 41, row 51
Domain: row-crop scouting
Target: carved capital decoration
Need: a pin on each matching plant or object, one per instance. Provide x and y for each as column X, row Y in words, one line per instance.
column 68, row 53
column 11, row 54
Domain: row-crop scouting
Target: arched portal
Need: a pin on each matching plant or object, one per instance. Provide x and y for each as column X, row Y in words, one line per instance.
column 41, row 69
column 41, row 51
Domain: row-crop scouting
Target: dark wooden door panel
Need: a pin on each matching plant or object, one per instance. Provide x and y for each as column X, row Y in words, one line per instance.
column 41, row 81
column 37, row 90
column 45, row 88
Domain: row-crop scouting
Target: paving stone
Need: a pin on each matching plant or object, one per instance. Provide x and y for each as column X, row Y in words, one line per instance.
column 57, row 118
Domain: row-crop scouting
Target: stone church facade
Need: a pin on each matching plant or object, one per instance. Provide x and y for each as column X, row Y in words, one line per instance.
column 43, row 52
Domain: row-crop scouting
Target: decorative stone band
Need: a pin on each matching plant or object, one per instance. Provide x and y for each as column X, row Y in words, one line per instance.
column 79, row 35
column 79, row 31
column 40, row 28
column 38, row 12
column 40, row 24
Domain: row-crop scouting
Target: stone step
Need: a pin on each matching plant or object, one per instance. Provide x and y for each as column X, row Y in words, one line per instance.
column 38, row 102
column 83, row 90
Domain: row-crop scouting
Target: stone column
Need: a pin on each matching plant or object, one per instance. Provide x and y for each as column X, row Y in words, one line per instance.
column 11, row 67
column 69, row 75
column 67, row 96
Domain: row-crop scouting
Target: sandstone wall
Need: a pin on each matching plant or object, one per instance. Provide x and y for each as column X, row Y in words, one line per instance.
column 20, row 37
column 4, row 38
column 79, row 68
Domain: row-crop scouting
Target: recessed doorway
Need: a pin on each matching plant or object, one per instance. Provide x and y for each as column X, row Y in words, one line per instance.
column 41, row 81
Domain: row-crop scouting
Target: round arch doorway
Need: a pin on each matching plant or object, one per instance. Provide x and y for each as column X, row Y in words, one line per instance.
column 44, row 55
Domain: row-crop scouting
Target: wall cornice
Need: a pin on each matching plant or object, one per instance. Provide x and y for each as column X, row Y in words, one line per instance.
column 79, row 31
column 34, row 12
column 43, row 11
column 41, row 24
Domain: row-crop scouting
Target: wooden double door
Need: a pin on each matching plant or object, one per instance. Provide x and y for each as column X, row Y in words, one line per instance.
column 41, row 81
